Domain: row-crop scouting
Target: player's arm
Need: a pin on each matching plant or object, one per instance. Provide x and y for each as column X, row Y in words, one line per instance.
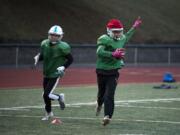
column 102, row 52
column 68, row 56
column 69, row 60
column 102, row 43
column 136, row 25
column 118, row 53
column 129, row 34
column 62, row 68
column 39, row 57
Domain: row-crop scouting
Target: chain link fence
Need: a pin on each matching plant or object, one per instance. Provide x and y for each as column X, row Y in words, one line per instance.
column 21, row 55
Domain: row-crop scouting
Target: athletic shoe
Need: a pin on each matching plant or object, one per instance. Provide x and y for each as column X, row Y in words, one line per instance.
column 61, row 101
column 106, row 120
column 98, row 110
column 47, row 116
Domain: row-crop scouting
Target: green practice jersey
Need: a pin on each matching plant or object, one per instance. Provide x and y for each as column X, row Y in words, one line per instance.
column 53, row 57
column 105, row 46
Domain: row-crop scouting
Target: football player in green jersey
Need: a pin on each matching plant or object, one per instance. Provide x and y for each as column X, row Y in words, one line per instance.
column 56, row 57
column 110, row 55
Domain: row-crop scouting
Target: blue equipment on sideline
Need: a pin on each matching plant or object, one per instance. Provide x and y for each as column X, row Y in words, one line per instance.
column 168, row 77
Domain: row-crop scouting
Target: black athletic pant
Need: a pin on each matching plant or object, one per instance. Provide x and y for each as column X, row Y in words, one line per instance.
column 106, row 91
column 48, row 85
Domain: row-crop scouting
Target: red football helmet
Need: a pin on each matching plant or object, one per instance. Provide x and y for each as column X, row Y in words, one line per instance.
column 115, row 29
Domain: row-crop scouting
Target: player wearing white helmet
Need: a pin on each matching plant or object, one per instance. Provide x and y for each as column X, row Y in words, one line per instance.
column 55, row 34
column 56, row 57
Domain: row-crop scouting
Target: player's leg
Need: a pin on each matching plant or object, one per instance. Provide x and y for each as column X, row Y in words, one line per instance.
column 49, row 85
column 101, row 90
column 52, row 84
column 47, row 100
column 109, row 98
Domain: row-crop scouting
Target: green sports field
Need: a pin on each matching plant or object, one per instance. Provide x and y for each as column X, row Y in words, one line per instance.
column 140, row 110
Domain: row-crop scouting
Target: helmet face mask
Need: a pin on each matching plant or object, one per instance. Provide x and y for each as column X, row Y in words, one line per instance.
column 115, row 29
column 115, row 34
column 54, row 38
column 55, row 34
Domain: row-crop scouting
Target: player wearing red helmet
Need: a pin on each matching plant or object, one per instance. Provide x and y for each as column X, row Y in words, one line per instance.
column 115, row 29
column 110, row 55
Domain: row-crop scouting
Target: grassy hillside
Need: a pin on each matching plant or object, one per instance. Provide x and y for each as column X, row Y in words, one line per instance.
column 84, row 20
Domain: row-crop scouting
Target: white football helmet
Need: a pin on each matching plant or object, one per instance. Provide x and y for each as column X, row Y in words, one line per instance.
column 55, row 34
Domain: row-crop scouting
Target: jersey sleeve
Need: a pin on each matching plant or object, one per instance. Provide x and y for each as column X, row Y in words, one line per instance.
column 102, row 43
column 129, row 34
column 66, row 49
column 102, row 40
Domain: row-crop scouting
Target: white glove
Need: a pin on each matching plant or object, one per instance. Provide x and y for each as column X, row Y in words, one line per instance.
column 36, row 59
column 61, row 71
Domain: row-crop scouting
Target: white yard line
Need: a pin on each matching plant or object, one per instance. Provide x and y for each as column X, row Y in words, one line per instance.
column 148, row 100
column 14, row 109
column 131, row 134
column 149, row 107
column 94, row 103
column 88, row 118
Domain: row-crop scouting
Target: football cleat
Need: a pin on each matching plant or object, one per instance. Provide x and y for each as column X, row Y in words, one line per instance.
column 61, row 101
column 106, row 120
column 47, row 116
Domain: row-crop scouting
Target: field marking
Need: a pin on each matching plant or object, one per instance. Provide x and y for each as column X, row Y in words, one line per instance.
column 81, row 118
column 69, row 105
column 14, row 109
column 149, row 100
column 131, row 134
column 94, row 103
column 149, row 107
